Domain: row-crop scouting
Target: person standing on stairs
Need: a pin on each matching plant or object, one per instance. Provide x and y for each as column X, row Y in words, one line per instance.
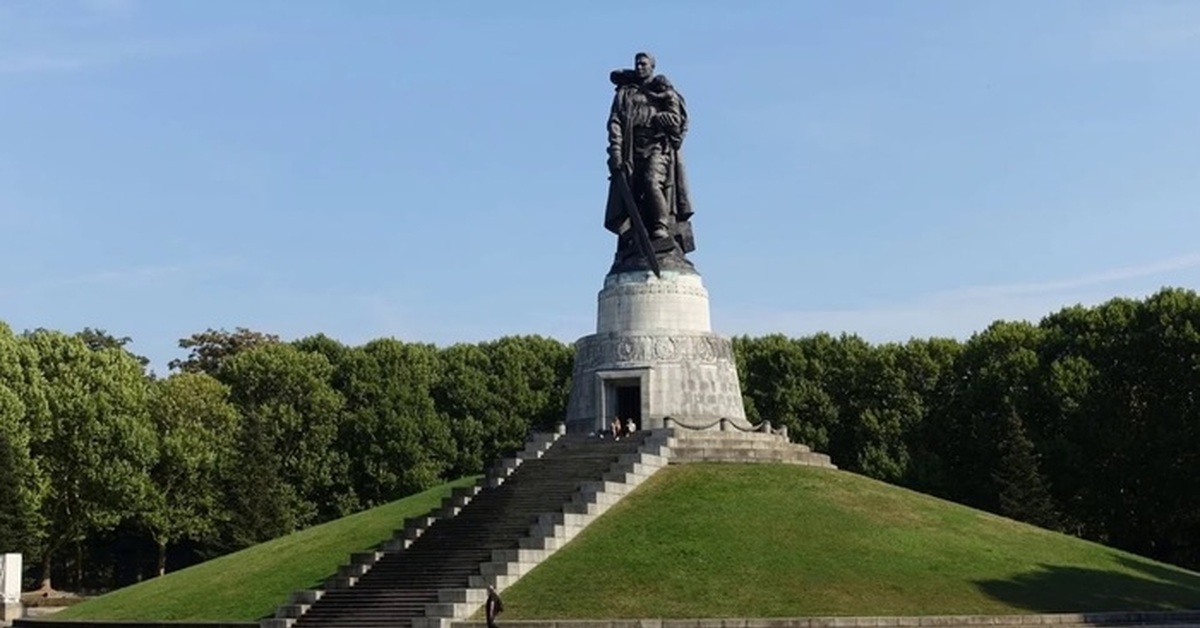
column 493, row 606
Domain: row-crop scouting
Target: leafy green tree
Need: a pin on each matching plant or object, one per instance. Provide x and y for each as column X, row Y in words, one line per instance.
column 875, row 408
column 1020, row 486
column 262, row 503
column 928, row 366
column 99, row 442
column 1067, row 423
column 195, row 424
column 997, row 374
column 19, row 492
column 20, row 372
column 396, row 442
column 530, row 376
column 492, row 394
column 24, row 486
column 99, row 339
column 1130, row 419
column 335, row 352
column 783, row 382
column 463, row 398
column 208, row 349
column 288, row 472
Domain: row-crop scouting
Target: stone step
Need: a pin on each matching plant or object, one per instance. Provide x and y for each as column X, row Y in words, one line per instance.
column 586, row 508
column 490, row 536
column 732, row 443
column 520, row 555
column 376, row 610
column 472, row 596
column 445, row 609
column 541, row 542
column 604, row 486
column 724, row 452
column 644, row 459
column 356, row 573
column 593, row 497
column 683, row 454
column 291, row 611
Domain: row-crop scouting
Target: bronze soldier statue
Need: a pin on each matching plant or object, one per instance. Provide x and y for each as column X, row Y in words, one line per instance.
column 646, row 127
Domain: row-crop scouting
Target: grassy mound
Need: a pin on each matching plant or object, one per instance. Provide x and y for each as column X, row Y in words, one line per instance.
column 712, row 540
column 722, row 540
column 249, row 584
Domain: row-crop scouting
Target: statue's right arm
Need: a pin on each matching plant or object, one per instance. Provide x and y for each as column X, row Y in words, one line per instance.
column 615, row 134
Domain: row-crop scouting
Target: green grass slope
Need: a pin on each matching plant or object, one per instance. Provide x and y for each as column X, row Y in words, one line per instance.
column 724, row 540
column 249, row 584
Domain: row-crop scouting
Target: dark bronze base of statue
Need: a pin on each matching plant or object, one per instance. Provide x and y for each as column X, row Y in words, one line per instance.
column 669, row 251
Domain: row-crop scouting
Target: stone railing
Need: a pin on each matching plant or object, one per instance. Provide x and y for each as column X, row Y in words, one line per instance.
column 727, row 425
column 726, row 440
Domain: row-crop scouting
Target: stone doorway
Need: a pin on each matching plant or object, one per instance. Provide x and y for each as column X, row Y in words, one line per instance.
column 621, row 393
column 628, row 401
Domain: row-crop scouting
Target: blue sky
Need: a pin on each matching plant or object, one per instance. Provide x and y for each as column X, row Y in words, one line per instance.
column 436, row 171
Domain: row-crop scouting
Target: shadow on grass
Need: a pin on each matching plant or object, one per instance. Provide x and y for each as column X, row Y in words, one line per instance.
column 1063, row 589
column 1181, row 578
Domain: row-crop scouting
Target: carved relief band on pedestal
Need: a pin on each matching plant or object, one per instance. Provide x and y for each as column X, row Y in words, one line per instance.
column 594, row 351
column 625, row 290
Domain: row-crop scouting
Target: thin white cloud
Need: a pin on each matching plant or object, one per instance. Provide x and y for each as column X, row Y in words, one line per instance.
column 129, row 278
column 79, row 57
column 960, row 313
column 1182, row 262
column 43, row 64
column 91, row 34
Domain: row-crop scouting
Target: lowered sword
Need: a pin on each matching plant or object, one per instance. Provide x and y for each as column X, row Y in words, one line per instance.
column 640, row 234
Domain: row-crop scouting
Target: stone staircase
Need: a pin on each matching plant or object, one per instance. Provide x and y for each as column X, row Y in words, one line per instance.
column 732, row 444
column 360, row 563
column 437, row 568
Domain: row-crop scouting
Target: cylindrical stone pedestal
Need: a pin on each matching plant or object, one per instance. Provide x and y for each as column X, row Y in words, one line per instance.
column 654, row 356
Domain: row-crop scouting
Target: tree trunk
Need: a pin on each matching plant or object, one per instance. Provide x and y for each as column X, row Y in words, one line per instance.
column 78, row 565
column 47, row 563
column 162, row 558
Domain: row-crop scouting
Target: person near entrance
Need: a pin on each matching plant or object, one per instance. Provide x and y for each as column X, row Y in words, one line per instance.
column 493, row 606
column 616, row 428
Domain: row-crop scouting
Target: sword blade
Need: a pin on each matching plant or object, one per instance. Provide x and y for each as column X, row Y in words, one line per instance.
column 640, row 234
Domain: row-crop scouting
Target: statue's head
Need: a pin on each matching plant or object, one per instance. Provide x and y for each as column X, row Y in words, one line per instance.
column 643, row 64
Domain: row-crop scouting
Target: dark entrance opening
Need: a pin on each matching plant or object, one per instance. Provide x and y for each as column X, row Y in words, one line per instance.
column 629, row 402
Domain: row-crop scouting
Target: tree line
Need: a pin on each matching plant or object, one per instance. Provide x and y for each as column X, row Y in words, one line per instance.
column 111, row 473
column 1085, row 422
